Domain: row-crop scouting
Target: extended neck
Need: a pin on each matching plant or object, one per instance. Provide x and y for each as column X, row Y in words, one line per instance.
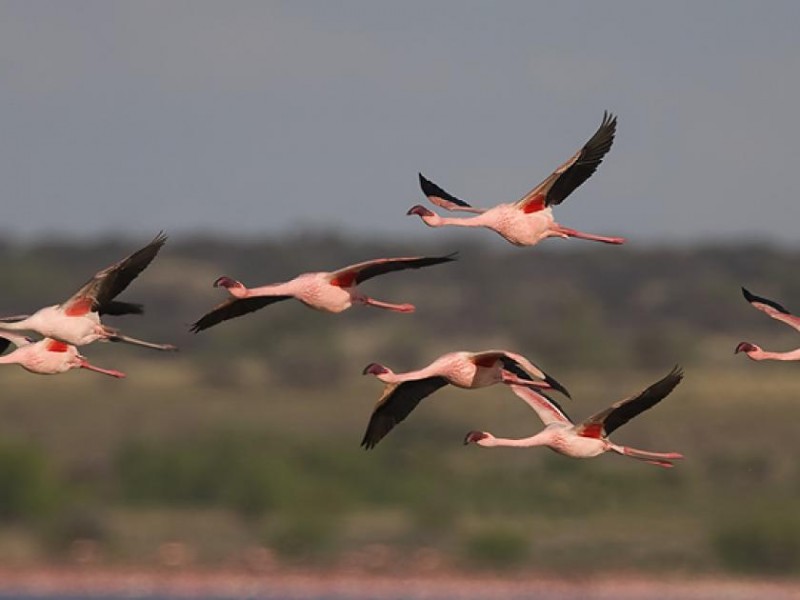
column 767, row 355
column 434, row 220
column 542, row 438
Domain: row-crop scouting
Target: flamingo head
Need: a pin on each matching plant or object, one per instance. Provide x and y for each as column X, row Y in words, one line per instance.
column 374, row 369
column 420, row 211
column 226, row 282
column 473, row 437
column 745, row 347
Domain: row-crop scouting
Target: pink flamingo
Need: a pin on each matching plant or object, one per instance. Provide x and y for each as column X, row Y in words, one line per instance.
column 529, row 220
column 46, row 357
column 77, row 321
column 589, row 438
column 326, row 291
column 778, row 312
column 468, row 370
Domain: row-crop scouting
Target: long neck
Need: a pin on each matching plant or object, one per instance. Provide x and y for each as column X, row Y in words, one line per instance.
column 288, row 288
column 11, row 358
column 21, row 325
column 543, row 438
column 392, row 377
column 767, row 355
column 440, row 221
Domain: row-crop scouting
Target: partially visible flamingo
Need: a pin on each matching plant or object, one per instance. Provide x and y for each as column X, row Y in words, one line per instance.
column 468, row 370
column 778, row 312
column 529, row 220
column 77, row 321
column 589, row 438
column 325, row 291
column 46, row 357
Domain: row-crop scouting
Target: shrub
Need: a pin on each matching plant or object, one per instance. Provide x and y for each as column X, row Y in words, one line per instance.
column 767, row 542
column 28, row 489
column 497, row 548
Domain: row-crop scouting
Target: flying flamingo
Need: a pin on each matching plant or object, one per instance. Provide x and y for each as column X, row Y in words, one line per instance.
column 46, row 357
column 468, row 370
column 589, row 438
column 529, row 220
column 326, row 291
column 776, row 311
column 77, row 321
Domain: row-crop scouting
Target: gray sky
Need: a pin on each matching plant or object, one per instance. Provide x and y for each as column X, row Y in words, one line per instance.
column 244, row 118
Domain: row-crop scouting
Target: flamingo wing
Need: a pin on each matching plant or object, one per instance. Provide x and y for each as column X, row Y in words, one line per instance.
column 548, row 409
column 520, row 366
column 397, row 402
column 444, row 199
column 233, row 307
column 98, row 293
column 355, row 274
column 115, row 307
column 773, row 309
column 580, row 166
column 615, row 416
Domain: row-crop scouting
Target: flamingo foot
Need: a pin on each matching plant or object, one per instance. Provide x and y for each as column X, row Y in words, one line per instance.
column 110, row 372
column 567, row 232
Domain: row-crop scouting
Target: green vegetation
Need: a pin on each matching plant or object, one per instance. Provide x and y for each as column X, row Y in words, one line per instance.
column 249, row 437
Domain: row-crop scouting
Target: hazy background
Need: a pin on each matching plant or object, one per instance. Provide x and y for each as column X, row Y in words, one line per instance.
column 269, row 139
column 248, row 118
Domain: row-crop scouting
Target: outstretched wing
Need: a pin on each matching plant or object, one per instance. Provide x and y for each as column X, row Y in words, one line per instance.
column 355, row 274
column 98, row 293
column 443, row 199
column 233, row 307
column 619, row 413
column 773, row 309
column 396, row 403
column 548, row 409
column 519, row 366
column 581, row 165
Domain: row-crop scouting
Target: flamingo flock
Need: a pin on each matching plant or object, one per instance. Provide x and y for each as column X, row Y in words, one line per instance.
column 63, row 328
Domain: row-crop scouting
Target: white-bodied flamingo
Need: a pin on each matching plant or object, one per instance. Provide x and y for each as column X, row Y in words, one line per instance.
column 326, row 291
column 77, row 321
column 529, row 220
column 589, row 438
column 46, row 357
column 469, row 370
column 778, row 312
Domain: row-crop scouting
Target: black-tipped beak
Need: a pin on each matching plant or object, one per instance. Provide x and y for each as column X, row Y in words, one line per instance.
column 223, row 282
column 474, row 436
column 743, row 347
column 373, row 369
column 419, row 211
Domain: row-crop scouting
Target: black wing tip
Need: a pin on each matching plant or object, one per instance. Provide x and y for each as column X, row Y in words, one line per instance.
column 671, row 380
column 609, row 119
column 750, row 297
column 428, row 187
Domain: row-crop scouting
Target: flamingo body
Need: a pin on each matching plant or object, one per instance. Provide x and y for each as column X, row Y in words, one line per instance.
column 589, row 438
column 529, row 220
column 47, row 356
column 77, row 321
column 331, row 292
column 466, row 370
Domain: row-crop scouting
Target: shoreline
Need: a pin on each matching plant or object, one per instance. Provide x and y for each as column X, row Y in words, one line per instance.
column 332, row 584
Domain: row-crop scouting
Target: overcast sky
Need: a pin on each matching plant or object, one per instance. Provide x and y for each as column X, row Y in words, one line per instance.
column 243, row 118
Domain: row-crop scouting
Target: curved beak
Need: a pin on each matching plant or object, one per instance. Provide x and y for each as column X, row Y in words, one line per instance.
column 420, row 211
